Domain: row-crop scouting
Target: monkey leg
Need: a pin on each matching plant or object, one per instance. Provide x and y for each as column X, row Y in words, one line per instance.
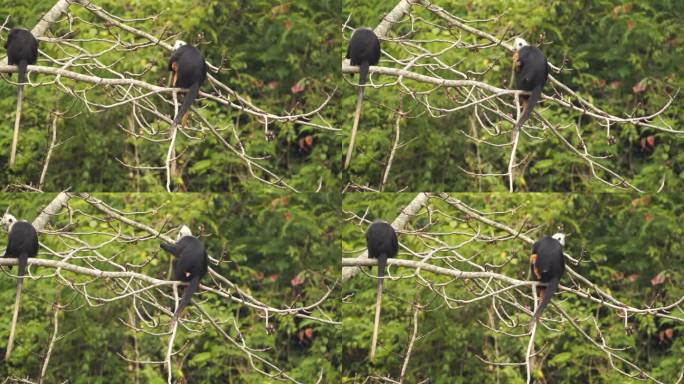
column 540, row 293
column 185, row 119
column 174, row 68
column 537, row 272
column 516, row 61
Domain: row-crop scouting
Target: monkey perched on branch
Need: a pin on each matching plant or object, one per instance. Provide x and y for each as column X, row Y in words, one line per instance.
column 547, row 265
column 22, row 50
column 22, row 243
column 381, row 240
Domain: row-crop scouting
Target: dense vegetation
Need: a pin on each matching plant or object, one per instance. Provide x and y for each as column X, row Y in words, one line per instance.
column 625, row 57
column 283, row 250
column 280, row 57
column 629, row 246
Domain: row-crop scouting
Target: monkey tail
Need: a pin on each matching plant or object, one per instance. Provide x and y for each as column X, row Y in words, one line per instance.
column 190, row 96
column 363, row 72
column 531, row 102
column 187, row 295
column 551, row 288
column 21, row 71
column 23, row 261
column 382, row 263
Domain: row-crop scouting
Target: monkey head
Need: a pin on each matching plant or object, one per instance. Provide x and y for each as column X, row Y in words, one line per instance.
column 184, row 231
column 178, row 44
column 560, row 237
column 8, row 221
column 518, row 43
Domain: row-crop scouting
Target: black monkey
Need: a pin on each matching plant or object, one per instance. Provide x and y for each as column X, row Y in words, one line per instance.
column 364, row 51
column 22, row 243
column 22, row 50
column 547, row 265
column 381, row 240
column 190, row 265
column 189, row 70
column 531, row 71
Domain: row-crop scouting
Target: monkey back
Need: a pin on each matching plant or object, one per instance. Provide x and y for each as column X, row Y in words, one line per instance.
column 381, row 240
column 22, row 240
column 550, row 261
column 21, row 45
column 364, row 46
column 192, row 259
column 191, row 66
column 534, row 68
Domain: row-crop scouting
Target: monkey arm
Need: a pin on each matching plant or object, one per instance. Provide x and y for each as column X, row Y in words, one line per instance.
column 172, row 249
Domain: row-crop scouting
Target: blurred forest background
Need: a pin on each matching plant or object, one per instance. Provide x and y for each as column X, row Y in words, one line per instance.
column 279, row 56
column 630, row 246
column 623, row 56
column 282, row 250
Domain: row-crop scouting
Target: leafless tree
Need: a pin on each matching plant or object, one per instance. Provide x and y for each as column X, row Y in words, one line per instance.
column 79, row 71
column 73, row 252
column 458, row 255
column 417, row 69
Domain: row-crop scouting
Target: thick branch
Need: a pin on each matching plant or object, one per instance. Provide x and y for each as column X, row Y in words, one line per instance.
column 455, row 273
column 51, row 210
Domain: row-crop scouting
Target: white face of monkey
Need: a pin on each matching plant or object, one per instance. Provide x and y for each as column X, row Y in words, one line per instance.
column 519, row 42
column 560, row 237
column 8, row 221
column 178, row 44
column 184, row 231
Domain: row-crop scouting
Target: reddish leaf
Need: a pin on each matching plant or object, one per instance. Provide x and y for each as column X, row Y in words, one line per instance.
column 650, row 141
column 297, row 88
column 658, row 279
column 639, row 87
column 665, row 335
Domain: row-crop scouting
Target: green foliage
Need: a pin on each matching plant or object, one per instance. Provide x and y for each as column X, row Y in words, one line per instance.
column 281, row 249
column 625, row 57
column 278, row 57
column 624, row 242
